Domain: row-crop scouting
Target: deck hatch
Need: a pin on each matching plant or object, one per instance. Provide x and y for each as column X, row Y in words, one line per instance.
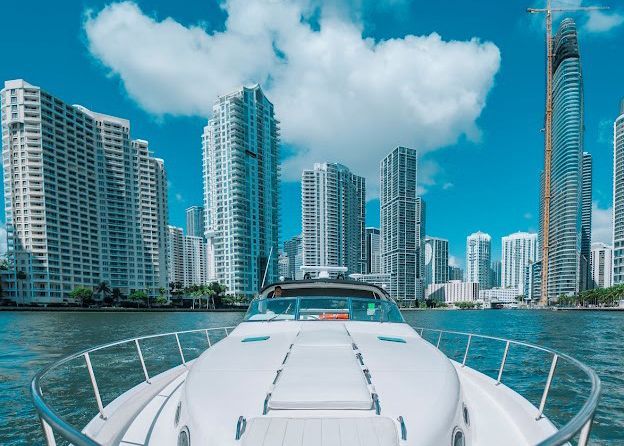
column 255, row 339
column 391, row 339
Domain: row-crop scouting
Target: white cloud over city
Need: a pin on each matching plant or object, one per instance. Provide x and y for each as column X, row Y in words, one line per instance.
column 339, row 96
column 602, row 224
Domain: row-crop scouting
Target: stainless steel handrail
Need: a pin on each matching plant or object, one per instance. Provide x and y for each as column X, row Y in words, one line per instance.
column 581, row 423
column 53, row 423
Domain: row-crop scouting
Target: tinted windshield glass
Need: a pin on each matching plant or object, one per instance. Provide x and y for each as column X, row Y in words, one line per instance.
column 271, row 309
column 323, row 308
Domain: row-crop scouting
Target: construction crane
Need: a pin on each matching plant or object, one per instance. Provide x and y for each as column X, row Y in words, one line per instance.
column 548, row 10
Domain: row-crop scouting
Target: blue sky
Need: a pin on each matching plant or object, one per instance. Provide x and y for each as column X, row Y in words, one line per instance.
column 160, row 64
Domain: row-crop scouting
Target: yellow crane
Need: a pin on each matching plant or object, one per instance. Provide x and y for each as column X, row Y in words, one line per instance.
column 548, row 10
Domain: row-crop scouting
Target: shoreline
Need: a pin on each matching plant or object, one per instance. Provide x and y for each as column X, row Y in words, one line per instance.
column 123, row 310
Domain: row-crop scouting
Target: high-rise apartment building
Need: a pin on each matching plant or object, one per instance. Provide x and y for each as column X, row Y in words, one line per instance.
column 570, row 186
column 241, row 190
column 195, row 221
column 518, row 251
column 601, row 265
column 282, row 262
column 618, row 197
column 436, row 260
column 332, row 217
column 455, row 273
column 373, row 251
column 293, row 248
column 496, row 272
column 195, row 261
column 84, row 202
column 400, row 223
column 175, row 257
column 478, row 252
column 586, row 222
column 187, row 258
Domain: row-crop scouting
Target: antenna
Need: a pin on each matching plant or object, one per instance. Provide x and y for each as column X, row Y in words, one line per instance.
column 266, row 269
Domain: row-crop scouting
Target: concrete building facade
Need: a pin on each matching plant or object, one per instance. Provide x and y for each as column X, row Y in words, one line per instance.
column 241, row 190
column 332, row 217
column 478, row 258
column 84, row 202
column 401, row 211
column 519, row 250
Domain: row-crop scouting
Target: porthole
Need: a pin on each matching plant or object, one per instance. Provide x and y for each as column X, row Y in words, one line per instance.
column 177, row 414
column 466, row 415
column 458, row 438
column 184, row 437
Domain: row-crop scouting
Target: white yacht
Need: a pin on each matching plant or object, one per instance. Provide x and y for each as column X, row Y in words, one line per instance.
column 319, row 362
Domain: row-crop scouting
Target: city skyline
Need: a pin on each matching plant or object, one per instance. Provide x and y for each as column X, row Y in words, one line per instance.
column 86, row 81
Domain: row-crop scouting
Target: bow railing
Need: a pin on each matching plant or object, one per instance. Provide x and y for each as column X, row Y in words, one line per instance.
column 56, row 426
column 579, row 426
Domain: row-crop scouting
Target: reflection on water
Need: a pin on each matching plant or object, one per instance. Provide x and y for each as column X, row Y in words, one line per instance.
column 28, row 341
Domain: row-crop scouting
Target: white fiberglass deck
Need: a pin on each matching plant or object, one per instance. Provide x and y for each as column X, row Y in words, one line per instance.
column 311, row 401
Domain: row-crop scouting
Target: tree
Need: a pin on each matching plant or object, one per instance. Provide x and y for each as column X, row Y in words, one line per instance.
column 104, row 291
column 82, row 295
column 138, row 296
column 116, row 295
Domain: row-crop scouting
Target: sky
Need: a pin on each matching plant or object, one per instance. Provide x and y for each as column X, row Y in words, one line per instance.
column 461, row 82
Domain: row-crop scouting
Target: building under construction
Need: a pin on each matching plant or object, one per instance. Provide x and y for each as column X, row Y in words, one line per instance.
column 568, row 229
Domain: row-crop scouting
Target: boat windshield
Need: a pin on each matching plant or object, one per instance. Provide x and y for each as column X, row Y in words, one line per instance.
column 323, row 308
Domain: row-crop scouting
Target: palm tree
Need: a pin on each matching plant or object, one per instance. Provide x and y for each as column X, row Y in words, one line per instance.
column 103, row 290
column 116, row 295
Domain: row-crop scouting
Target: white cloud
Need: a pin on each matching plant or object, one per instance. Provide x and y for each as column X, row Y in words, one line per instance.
column 602, row 224
column 452, row 261
column 600, row 22
column 339, row 96
column 528, row 215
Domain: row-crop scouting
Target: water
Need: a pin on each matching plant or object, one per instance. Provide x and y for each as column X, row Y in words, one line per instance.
column 29, row 341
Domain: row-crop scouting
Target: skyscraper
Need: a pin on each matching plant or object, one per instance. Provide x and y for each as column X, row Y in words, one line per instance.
column 478, row 252
column 567, row 197
column 187, row 258
column 84, row 202
column 436, row 260
column 175, row 256
column 400, row 233
column 373, row 251
column 241, row 190
column 518, row 251
column 601, row 265
column 293, row 249
column 332, row 217
column 195, row 221
column 455, row 273
column 586, row 222
column 618, row 197
column 496, row 271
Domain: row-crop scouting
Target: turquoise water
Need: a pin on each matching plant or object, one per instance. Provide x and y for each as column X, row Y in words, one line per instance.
column 29, row 341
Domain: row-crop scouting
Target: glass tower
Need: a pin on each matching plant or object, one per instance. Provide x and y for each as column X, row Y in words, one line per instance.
column 565, row 261
column 618, row 197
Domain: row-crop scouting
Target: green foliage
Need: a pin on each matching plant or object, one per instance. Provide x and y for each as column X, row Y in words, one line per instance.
column 602, row 297
column 82, row 295
column 468, row 305
column 235, row 300
column 162, row 300
column 138, row 296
